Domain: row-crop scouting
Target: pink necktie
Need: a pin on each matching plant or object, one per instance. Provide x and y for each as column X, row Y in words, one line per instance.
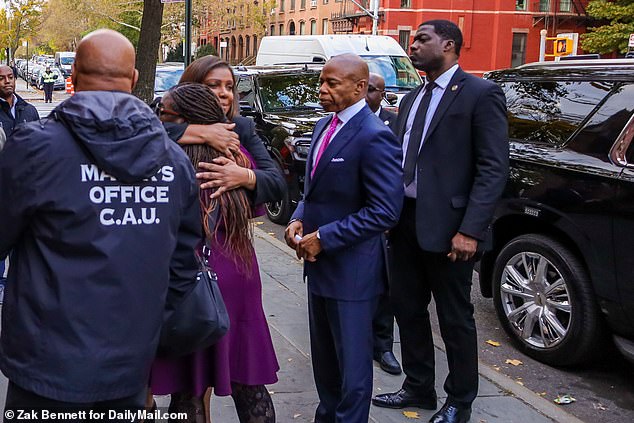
column 331, row 130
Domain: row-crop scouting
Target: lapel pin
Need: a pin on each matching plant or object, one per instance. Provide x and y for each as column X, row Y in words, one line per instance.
column 454, row 87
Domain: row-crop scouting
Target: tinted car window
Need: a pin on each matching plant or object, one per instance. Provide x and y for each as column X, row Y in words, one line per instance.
column 397, row 71
column 550, row 111
column 166, row 79
column 288, row 92
column 604, row 126
column 245, row 90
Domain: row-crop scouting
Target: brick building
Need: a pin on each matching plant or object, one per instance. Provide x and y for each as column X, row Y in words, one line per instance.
column 497, row 33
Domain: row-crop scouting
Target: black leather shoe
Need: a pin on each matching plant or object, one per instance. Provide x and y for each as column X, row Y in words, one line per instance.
column 451, row 414
column 402, row 399
column 389, row 363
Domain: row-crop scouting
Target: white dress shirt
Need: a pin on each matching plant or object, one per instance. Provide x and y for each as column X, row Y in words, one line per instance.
column 344, row 117
column 441, row 84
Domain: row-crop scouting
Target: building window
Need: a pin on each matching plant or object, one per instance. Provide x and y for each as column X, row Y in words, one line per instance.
column 302, row 28
column 565, row 5
column 282, row 5
column 520, row 4
column 247, row 44
column 403, row 39
column 325, row 1
column 272, row 32
column 302, row 4
column 544, row 5
column 313, row 27
column 281, row 31
column 406, row 4
column 518, row 53
column 255, row 45
column 291, row 28
column 292, row 5
column 324, row 26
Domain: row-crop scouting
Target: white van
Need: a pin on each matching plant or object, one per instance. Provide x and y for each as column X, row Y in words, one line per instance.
column 382, row 53
column 64, row 60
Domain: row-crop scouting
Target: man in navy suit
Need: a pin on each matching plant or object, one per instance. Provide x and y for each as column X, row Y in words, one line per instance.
column 383, row 322
column 353, row 193
column 454, row 137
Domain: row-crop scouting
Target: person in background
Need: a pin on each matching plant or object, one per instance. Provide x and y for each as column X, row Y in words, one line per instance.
column 13, row 109
column 94, row 266
column 47, row 80
column 456, row 157
column 383, row 322
column 353, row 194
column 243, row 361
column 14, row 69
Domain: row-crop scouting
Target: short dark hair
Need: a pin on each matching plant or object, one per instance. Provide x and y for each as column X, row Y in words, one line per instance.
column 447, row 30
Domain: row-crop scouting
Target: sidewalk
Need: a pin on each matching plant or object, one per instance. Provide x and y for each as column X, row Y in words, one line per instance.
column 500, row 399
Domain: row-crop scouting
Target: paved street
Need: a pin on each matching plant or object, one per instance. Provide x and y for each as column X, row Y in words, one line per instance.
column 604, row 390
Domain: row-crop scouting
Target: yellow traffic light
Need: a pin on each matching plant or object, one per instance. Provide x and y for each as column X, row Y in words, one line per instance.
column 562, row 47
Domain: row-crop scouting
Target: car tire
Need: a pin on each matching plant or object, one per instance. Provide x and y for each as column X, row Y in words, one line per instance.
column 279, row 211
column 544, row 299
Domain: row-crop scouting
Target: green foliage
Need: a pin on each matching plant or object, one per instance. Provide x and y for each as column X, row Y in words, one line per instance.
column 21, row 21
column 175, row 54
column 618, row 16
column 205, row 50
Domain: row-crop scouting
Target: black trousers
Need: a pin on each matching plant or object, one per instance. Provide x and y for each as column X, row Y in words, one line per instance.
column 416, row 276
column 48, row 91
column 26, row 405
column 383, row 326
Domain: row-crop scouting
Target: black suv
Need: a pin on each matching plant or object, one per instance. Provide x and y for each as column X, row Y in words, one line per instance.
column 561, row 270
column 283, row 101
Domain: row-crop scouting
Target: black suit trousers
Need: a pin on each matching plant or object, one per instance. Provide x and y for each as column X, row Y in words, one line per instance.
column 417, row 275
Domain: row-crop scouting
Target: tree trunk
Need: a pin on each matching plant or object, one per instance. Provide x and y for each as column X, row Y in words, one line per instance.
column 147, row 52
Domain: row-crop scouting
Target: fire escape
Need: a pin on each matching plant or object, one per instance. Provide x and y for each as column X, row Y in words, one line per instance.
column 555, row 14
column 349, row 15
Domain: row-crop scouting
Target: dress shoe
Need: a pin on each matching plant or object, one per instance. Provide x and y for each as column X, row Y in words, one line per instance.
column 451, row 414
column 389, row 363
column 402, row 399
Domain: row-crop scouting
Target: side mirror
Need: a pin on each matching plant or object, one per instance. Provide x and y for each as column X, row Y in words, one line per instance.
column 391, row 98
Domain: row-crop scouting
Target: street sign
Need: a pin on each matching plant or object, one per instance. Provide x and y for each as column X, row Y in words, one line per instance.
column 631, row 42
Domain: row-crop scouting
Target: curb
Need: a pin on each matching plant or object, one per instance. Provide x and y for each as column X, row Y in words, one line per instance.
column 505, row 383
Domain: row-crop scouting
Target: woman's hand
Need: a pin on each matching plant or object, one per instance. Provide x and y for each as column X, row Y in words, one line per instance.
column 225, row 175
column 219, row 136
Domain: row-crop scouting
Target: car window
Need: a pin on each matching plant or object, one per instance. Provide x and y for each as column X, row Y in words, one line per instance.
column 606, row 123
column 166, row 79
column 397, row 71
column 550, row 111
column 289, row 91
column 245, row 90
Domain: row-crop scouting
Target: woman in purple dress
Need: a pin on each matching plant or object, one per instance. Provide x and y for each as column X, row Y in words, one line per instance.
column 242, row 362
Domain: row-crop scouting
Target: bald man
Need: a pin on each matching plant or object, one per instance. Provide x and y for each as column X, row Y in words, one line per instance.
column 353, row 193
column 101, row 211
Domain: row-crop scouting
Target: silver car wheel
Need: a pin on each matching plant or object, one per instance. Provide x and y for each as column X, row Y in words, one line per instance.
column 536, row 300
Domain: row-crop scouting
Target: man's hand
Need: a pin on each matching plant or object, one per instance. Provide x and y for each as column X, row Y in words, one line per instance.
column 295, row 228
column 224, row 175
column 219, row 136
column 462, row 248
column 309, row 247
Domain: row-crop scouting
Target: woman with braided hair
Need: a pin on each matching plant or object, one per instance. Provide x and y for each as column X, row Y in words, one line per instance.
column 244, row 360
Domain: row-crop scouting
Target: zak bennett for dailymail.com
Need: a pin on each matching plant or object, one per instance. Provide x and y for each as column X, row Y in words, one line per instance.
column 119, row 415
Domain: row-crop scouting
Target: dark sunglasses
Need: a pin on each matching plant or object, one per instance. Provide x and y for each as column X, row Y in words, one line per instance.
column 372, row 89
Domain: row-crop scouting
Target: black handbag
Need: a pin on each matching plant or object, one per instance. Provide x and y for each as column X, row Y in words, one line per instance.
column 199, row 320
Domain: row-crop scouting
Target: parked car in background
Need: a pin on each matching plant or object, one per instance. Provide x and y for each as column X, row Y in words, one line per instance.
column 64, row 61
column 561, row 267
column 284, row 103
column 383, row 54
column 167, row 75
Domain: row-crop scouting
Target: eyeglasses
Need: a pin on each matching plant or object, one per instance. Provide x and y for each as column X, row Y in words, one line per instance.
column 372, row 89
column 162, row 110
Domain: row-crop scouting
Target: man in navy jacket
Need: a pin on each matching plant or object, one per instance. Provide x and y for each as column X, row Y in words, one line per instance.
column 101, row 211
column 354, row 192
